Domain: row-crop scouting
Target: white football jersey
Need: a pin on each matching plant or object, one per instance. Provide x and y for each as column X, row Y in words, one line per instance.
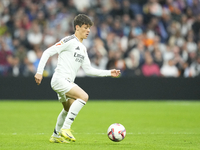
column 72, row 55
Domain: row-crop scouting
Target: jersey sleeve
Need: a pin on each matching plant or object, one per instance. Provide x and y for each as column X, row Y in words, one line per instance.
column 45, row 56
column 57, row 48
column 61, row 45
column 89, row 70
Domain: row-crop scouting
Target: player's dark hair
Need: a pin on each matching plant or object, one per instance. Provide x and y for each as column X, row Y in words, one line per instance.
column 82, row 19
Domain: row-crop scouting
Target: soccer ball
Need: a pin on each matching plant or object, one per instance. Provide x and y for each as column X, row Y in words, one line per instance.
column 116, row 132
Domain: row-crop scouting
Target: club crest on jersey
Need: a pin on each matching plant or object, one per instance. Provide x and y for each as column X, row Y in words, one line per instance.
column 79, row 57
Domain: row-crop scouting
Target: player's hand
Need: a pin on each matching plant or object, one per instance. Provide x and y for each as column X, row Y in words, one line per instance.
column 115, row 73
column 38, row 78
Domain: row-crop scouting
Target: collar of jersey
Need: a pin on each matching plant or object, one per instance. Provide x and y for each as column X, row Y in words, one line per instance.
column 76, row 37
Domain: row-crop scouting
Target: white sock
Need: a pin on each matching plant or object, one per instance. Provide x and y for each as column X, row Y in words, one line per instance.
column 60, row 121
column 73, row 112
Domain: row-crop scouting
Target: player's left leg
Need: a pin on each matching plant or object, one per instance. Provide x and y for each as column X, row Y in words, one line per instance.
column 81, row 98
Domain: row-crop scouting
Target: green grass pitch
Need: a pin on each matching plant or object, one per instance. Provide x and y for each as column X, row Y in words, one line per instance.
column 150, row 125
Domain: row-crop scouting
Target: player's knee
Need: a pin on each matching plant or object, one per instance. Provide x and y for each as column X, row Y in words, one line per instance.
column 85, row 97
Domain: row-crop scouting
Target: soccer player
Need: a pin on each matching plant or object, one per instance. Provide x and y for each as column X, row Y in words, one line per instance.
column 72, row 55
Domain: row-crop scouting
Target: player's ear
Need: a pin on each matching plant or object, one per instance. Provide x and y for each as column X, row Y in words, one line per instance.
column 77, row 27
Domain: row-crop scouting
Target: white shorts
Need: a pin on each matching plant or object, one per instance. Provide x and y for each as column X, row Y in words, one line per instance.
column 61, row 86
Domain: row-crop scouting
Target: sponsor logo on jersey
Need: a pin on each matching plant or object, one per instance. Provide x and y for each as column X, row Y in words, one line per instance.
column 78, row 57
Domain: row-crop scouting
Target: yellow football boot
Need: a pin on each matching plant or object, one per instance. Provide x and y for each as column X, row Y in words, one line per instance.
column 66, row 133
column 58, row 140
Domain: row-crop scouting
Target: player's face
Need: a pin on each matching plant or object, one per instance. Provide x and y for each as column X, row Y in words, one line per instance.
column 84, row 31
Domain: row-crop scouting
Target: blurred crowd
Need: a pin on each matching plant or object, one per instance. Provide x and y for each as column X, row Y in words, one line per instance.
column 159, row 38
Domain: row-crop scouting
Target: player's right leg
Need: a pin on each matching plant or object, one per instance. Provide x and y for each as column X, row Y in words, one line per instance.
column 81, row 98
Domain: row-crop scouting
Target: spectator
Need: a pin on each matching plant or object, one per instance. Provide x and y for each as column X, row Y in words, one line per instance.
column 178, row 60
column 132, row 65
column 117, row 29
column 189, row 71
column 21, row 54
column 150, row 69
column 196, row 26
column 157, row 57
column 116, row 10
column 25, row 24
column 126, row 9
column 49, row 38
column 4, row 55
column 195, row 7
column 35, row 36
column 155, row 8
column 14, row 68
column 169, row 69
column 184, row 25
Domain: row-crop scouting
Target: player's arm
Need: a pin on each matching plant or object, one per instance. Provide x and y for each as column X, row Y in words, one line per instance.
column 98, row 72
column 57, row 48
column 45, row 56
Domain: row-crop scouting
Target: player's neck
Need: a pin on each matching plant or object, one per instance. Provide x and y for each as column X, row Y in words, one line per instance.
column 79, row 37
